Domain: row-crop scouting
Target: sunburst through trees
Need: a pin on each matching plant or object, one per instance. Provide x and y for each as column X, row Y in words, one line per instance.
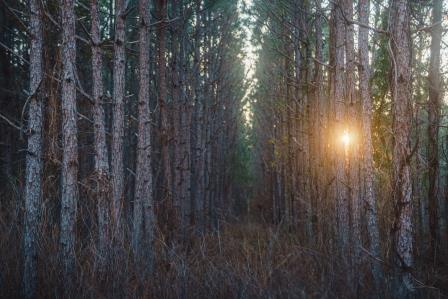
column 223, row 149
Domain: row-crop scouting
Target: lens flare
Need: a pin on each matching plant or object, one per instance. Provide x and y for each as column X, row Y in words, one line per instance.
column 346, row 138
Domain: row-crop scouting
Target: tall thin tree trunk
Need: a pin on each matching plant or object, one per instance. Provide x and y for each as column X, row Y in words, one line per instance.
column 307, row 121
column 101, row 155
column 367, row 148
column 33, row 179
column 177, row 107
column 187, row 204
column 297, row 175
column 314, row 119
column 143, row 226
column 164, row 135
column 197, row 165
column 433, row 123
column 320, row 121
column 118, row 118
column 342, row 211
column 289, row 104
column 175, row 111
column 331, row 214
column 402, row 118
column 69, row 142
column 353, row 148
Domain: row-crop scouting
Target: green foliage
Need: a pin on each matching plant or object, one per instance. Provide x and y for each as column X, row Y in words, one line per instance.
column 241, row 170
column 380, row 86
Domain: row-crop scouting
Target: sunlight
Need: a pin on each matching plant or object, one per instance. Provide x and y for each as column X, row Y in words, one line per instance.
column 346, row 138
column 250, row 58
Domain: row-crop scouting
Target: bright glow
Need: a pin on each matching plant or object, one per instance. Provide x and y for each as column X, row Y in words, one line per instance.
column 346, row 138
column 249, row 59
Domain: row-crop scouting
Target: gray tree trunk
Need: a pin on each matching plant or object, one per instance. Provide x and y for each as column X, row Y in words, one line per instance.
column 101, row 155
column 143, row 225
column 298, row 173
column 367, row 147
column 178, row 196
column 33, row 180
column 164, row 134
column 198, row 128
column 118, row 118
column 433, row 123
column 352, row 150
column 69, row 142
column 188, row 206
column 305, row 122
column 320, row 121
column 341, row 193
column 402, row 118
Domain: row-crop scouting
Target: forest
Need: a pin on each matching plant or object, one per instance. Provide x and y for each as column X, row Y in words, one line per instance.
column 223, row 149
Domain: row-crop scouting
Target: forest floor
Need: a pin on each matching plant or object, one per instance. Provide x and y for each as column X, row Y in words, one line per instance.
column 240, row 260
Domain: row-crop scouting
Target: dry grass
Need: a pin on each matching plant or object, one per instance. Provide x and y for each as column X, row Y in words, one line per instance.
column 241, row 260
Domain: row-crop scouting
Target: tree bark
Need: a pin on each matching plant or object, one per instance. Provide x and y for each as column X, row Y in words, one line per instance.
column 187, row 204
column 164, row 135
column 176, row 104
column 307, row 127
column 433, row 123
column 33, row 176
column 367, row 147
column 352, row 148
column 198, row 128
column 341, row 193
column 320, row 122
column 143, row 225
column 69, row 143
column 118, row 117
column 402, row 118
column 101, row 155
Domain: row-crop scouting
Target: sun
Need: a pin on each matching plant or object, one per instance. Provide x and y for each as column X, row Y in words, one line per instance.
column 346, row 138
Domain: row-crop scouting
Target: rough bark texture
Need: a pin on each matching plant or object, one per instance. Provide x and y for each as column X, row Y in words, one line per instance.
column 101, row 156
column 305, row 127
column 320, row 121
column 339, row 126
column 162, row 88
column 118, row 117
column 176, row 104
column 433, row 122
column 33, row 176
column 69, row 142
column 143, row 225
column 370, row 208
column 402, row 119
column 298, row 174
column 188, row 205
column 198, row 149
column 352, row 148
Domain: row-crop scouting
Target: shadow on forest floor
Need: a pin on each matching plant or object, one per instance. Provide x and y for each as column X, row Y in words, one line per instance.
column 242, row 260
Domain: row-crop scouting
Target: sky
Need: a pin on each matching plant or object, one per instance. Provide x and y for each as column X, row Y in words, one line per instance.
column 251, row 55
column 250, row 59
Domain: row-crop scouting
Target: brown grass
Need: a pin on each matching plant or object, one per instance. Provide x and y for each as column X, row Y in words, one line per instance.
column 242, row 260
